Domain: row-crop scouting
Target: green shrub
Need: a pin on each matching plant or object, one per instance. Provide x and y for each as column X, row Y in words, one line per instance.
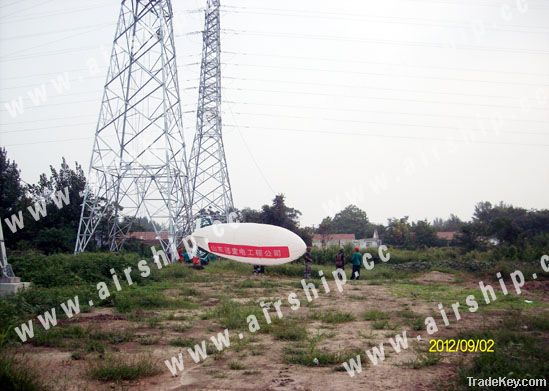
column 122, row 368
column 381, row 324
column 67, row 269
column 332, row 316
column 183, row 342
column 232, row 315
column 58, row 336
column 375, row 315
column 236, row 366
column 287, row 330
column 14, row 375
column 147, row 297
column 424, row 360
column 24, row 305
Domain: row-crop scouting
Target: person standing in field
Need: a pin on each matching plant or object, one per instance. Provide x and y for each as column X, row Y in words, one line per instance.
column 308, row 263
column 340, row 263
column 356, row 260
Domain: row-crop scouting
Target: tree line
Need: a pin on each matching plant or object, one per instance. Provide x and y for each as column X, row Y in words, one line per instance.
column 491, row 225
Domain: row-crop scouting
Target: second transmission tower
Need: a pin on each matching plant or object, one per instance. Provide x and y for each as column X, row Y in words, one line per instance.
column 210, row 187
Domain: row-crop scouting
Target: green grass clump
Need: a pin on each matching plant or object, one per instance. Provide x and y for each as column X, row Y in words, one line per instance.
column 236, row 366
column 93, row 346
column 448, row 294
column 435, row 293
column 183, row 342
column 147, row 297
column 78, row 355
column 538, row 323
column 306, row 356
column 381, row 325
column 232, row 315
column 20, row 307
column 424, row 360
column 246, row 284
column 333, row 317
column 113, row 337
column 407, row 314
column 287, row 330
column 417, row 324
column 122, row 368
column 15, row 375
column 307, row 353
column 375, row 315
column 148, row 340
column 182, row 327
column 76, row 336
column 59, row 336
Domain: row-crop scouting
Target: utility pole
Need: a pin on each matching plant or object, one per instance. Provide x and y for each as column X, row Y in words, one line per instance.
column 9, row 283
column 138, row 166
column 5, row 267
column 210, row 187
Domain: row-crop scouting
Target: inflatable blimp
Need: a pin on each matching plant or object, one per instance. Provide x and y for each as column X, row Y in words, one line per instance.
column 256, row 244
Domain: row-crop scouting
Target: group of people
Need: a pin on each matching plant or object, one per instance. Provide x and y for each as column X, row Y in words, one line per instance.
column 356, row 262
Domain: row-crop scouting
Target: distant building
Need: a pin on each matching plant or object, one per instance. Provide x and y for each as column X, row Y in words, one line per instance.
column 374, row 241
column 327, row 240
column 447, row 235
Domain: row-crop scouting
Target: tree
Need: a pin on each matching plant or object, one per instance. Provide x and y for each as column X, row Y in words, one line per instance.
column 12, row 194
column 11, row 190
column 469, row 237
column 249, row 215
column 279, row 214
column 423, row 234
column 398, row 231
column 141, row 224
column 74, row 181
column 453, row 223
column 325, row 227
column 511, row 226
column 59, row 223
column 352, row 219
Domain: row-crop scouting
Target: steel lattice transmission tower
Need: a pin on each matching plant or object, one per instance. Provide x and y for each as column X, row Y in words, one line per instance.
column 138, row 165
column 210, row 186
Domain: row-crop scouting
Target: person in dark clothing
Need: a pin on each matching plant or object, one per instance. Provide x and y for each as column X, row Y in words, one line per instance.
column 356, row 260
column 185, row 257
column 196, row 263
column 340, row 263
column 308, row 263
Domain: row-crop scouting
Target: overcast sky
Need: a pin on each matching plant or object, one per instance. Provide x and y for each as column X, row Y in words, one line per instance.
column 402, row 107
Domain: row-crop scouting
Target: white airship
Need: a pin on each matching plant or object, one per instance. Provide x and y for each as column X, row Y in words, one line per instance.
column 256, row 244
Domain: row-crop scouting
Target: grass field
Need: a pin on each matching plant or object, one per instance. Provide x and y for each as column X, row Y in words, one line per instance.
column 123, row 342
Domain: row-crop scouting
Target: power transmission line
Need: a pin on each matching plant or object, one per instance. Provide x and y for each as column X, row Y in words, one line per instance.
column 383, row 74
column 384, row 63
column 382, row 19
column 379, row 135
column 291, row 92
column 384, row 41
column 363, row 110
